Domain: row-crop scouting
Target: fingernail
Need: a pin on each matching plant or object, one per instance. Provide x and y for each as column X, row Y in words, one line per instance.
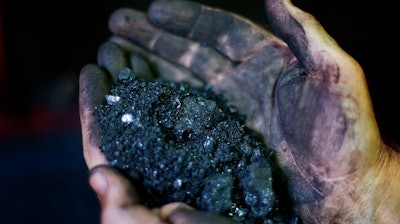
column 174, row 207
column 98, row 181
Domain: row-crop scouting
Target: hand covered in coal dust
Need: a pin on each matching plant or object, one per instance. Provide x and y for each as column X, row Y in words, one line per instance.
column 296, row 86
column 120, row 203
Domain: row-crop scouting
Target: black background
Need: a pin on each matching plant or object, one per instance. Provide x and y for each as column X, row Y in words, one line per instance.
column 43, row 176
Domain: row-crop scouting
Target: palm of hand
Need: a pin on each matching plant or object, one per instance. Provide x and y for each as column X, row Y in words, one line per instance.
column 310, row 101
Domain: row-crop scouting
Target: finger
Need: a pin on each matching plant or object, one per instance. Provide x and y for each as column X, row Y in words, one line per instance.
column 309, row 41
column 93, row 85
column 205, row 62
column 326, row 63
column 180, row 213
column 235, row 36
column 160, row 67
column 166, row 210
column 118, row 198
column 111, row 57
column 140, row 67
column 335, row 110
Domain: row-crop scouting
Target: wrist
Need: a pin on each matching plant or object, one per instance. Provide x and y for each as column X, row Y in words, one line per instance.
column 366, row 196
column 383, row 183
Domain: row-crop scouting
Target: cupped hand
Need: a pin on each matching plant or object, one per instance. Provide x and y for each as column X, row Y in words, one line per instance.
column 120, row 203
column 296, row 86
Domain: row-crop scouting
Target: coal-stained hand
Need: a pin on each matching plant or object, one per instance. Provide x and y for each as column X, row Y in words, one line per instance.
column 297, row 87
column 120, row 203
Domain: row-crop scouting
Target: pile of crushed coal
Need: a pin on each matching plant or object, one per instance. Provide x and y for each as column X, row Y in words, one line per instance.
column 182, row 143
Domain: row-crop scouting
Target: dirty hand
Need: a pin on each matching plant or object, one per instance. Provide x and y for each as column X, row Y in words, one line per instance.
column 297, row 87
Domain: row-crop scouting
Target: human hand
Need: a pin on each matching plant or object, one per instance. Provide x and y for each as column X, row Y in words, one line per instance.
column 119, row 200
column 306, row 96
column 120, row 203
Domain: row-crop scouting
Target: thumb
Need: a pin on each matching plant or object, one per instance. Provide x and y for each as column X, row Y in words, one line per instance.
column 118, row 198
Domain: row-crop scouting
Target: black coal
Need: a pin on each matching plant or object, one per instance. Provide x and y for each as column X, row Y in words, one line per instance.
column 180, row 143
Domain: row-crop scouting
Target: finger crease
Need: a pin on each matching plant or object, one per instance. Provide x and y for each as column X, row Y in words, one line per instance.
column 187, row 58
column 154, row 40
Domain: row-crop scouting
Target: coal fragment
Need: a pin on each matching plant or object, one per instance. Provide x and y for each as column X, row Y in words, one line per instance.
column 181, row 143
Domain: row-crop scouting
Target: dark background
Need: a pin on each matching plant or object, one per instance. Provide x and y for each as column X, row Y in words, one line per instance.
column 44, row 45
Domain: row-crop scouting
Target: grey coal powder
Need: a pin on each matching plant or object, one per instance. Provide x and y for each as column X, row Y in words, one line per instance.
column 181, row 143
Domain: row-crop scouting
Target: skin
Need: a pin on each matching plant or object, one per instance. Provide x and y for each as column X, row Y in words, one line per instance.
column 297, row 87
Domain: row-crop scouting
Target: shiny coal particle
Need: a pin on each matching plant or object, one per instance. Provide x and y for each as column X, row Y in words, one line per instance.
column 181, row 143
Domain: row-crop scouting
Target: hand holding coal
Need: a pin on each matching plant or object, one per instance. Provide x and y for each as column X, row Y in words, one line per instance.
column 304, row 94
column 180, row 143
